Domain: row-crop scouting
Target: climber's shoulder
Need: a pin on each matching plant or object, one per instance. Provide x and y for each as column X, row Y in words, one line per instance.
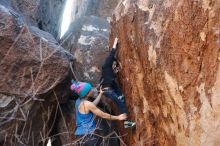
column 88, row 104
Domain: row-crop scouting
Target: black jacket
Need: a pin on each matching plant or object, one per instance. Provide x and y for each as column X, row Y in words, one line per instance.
column 108, row 75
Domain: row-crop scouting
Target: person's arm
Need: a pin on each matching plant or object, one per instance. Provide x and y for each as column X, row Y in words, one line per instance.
column 109, row 60
column 98, row 98
column 91, row 107
column 115, row 43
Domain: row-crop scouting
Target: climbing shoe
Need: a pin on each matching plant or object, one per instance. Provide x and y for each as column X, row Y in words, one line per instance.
column 129, row 124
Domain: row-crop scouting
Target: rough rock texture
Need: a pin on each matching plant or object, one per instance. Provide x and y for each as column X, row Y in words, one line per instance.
column 46, row 15
column 87, row 37
column 33, row 69
column 169, row 50
column 88, row 43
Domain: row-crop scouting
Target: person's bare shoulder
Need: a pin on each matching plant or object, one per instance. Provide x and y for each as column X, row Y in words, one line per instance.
column 89, row 104
column 86, row 106
column 86, row 102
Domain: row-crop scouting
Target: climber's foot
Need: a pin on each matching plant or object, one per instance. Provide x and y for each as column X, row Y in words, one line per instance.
column 129, row 124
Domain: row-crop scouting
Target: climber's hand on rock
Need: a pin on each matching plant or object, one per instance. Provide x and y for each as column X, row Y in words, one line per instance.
column 122, row 117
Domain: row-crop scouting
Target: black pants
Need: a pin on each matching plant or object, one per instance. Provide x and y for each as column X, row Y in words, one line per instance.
column 89, row 140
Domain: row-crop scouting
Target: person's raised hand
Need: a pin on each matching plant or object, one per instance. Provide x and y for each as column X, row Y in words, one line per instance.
column 102, row 90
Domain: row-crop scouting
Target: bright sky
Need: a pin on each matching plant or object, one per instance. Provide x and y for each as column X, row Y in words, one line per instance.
column 66, row 17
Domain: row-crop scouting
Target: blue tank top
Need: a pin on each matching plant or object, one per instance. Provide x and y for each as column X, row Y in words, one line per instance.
column 85, row 123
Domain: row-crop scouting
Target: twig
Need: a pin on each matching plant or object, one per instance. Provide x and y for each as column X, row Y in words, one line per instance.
column 61, row 112
column 24, row 124
column 53, row 120
column 29, row 133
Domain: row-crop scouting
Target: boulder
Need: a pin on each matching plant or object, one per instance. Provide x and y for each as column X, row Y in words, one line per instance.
column 33, row 73
column 169, row 51
column 87, row 40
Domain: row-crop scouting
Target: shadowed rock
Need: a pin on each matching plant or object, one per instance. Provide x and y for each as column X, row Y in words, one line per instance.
column 33, row 69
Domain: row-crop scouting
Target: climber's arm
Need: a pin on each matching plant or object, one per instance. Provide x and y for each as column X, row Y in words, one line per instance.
column 109, row 60
column 115, row 44
column 98, row 98
column 91, row 107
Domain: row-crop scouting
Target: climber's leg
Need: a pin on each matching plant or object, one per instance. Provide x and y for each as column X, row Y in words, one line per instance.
column 121, row 105
column 118, row 91
column 113, row 96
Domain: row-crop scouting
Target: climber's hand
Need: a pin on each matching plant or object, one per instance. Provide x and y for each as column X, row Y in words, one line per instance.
column 122, row 117
column 102, row 90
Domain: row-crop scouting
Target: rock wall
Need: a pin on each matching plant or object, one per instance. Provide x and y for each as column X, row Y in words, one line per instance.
column 169, row 50
column 33, row 78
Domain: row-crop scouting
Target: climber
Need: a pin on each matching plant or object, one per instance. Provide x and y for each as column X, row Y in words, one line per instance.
column 108, row 80
column 85, row 111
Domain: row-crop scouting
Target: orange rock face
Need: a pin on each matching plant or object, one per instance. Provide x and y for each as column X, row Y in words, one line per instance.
column 170, row 75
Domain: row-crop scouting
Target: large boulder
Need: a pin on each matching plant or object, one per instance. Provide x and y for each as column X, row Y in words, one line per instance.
column 33, row 71
column 87, row 40
column 169, row 50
